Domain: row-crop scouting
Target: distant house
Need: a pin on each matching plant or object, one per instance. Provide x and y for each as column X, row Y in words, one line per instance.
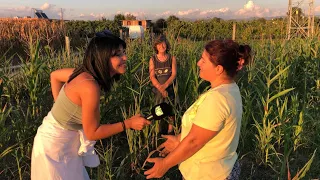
column 146, row 24
column 136, row 28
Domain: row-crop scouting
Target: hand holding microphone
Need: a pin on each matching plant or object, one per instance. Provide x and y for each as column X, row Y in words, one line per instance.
column 160, row 111
column 136, row 122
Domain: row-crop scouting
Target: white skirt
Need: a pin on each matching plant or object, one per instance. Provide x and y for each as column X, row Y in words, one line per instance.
column 61, row 154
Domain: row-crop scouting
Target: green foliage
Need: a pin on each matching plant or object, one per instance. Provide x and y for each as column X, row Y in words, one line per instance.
column 130, row 17
column 159, row 25
column 118, row 18
column 172, row 18
column 217, row 28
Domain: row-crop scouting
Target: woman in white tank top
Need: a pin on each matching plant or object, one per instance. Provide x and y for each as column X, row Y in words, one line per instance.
column 64, row 145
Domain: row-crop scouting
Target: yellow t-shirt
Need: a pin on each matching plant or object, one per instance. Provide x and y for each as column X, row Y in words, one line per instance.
column 218, row 109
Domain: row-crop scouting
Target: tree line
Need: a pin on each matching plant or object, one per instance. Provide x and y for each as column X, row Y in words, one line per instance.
column 203, row 29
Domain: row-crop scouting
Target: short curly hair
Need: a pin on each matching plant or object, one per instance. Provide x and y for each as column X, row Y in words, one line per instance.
column 161, row 39
column 227, row 53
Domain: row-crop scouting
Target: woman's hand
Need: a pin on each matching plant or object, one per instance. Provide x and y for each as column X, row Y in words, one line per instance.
column 158, row 170
column 164, row 94
column 161, row 87
column 136, row 122
column 171, row 143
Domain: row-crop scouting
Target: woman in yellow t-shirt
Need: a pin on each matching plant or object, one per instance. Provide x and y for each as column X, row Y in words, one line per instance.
column 206, row 147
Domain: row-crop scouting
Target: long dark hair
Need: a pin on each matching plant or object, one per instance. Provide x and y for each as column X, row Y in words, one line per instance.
column 227, row 53
column 96, row 60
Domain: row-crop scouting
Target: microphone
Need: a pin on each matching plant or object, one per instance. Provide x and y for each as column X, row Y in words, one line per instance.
column 160, row 111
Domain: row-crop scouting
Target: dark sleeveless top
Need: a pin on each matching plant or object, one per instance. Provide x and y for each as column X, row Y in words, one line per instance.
column 163, row 69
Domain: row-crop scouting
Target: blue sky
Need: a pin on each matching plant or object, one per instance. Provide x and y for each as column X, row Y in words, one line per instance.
column 148, row 9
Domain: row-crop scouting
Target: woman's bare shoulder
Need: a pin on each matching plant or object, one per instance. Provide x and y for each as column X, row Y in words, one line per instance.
column 84, row 82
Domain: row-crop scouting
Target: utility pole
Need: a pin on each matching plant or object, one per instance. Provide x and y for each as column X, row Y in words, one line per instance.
column 234, row 31
column 33, row 11
column 300, row 22
column 61, row 14
column 62, row 21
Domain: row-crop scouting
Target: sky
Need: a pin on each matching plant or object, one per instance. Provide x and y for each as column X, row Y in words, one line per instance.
column 148, row 9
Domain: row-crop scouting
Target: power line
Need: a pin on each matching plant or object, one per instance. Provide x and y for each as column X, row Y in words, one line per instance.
column 300, row 22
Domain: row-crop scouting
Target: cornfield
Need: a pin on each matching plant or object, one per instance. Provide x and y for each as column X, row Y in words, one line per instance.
column 280, row 89
column 17, row 32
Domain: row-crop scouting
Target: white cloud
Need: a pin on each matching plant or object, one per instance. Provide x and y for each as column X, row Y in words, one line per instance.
column 317, row 9
column 212, row 12
column 165, row 14
column 91, row 16
column 196, row 13
column 249, row 6
column 138, row 15
column 189, row 12
column 19, row 9
column 97, row 16
column 47, row 6
column 252, row 10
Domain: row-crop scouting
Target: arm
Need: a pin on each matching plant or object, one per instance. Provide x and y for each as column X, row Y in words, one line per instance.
column 209, row 120
column 171, row 143
column 173, row 74
column 90, row 100
column 191, row 144
column 58, row 78
column 153, row 79
column 206, row 124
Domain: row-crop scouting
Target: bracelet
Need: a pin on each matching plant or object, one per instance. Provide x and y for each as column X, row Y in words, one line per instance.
column 123, row 125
